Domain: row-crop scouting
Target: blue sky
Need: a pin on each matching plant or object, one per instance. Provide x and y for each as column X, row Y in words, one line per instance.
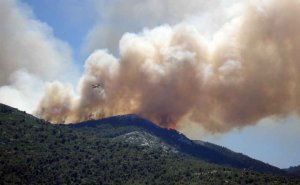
column 89, row 25
column 70, row 20
column 272, row 141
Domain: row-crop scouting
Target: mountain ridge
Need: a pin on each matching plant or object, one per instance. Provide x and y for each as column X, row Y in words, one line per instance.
column 33, row 151
column 208, row 152
column 295, row 170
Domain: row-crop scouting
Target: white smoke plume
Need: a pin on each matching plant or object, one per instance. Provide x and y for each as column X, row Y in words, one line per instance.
column 29, row 56
column 249, row 70
column 117, row 17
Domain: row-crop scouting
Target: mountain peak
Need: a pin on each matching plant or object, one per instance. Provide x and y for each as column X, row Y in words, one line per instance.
column 201, row 150
column 118, row 120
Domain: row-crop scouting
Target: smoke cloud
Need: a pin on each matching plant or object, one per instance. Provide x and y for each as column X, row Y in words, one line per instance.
column 118, row 17
column 29, row 56
column 173, row 75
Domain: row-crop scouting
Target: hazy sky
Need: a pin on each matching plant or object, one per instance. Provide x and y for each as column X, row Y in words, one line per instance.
column 70, row 30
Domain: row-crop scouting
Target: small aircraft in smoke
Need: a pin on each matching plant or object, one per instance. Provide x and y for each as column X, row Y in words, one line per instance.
column 94, row 86
column 99, row 87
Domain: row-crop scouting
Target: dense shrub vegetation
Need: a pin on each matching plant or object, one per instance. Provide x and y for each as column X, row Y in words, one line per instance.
column 33, row 151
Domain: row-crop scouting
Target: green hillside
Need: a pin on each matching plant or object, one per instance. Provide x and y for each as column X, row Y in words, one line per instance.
column 36, row 152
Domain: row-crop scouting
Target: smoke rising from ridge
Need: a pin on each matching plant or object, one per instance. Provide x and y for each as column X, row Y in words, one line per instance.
column 249, row 71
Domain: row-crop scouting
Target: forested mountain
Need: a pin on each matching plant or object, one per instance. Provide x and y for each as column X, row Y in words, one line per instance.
column 202, row 150
column 109, row 151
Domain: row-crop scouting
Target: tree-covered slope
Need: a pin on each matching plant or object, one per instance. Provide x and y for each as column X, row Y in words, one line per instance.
column 202, row 150
column 33, row 151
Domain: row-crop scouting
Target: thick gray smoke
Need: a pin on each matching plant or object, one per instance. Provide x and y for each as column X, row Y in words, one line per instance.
column 249, row 71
